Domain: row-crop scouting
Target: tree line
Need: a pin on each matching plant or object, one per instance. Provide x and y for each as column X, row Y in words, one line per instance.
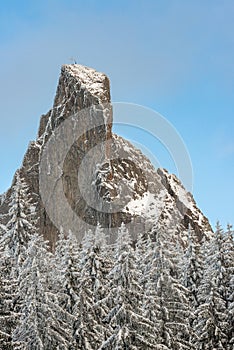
column 155, row 294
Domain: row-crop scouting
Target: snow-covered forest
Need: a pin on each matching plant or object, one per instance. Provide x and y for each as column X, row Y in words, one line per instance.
column 150, row 294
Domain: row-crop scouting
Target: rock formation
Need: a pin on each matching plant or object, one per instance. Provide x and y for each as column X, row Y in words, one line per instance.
column 116, row 172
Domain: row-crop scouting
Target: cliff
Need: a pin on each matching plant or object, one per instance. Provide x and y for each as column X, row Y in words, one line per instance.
column 102, row 177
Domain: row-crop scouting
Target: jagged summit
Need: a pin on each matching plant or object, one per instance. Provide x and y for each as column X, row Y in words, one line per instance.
column 150, row 195
column 93, row 81
column 79, row 87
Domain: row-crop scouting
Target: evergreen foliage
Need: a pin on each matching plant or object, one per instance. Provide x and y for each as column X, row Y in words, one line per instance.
column 155, row 294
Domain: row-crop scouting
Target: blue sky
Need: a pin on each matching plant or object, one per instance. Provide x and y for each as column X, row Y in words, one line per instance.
column 176, row 57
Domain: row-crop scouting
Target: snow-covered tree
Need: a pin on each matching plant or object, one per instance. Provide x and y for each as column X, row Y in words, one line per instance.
column 20, row 225
column 8, row 317
column 89, row 329
column 150, row 300
column 190, row 267
column 228, row 283
column 41, row 323
column 211, row 322
column 166, row 300
column 129, row 328
column 13, row 245
column 66, row 266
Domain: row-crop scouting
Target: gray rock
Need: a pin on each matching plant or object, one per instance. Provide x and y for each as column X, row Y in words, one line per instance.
column 115, row 174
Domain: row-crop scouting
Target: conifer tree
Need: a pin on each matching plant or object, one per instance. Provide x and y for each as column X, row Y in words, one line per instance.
column 13, row 243
column 20, row 225
column 211, row 323
column 89, row 329
column 66, row 265
column 129, row 329
column 228, row 283
column 150, row 300
column 191, row 267
column 41, row 323
column 169, row 298
column 8, row 317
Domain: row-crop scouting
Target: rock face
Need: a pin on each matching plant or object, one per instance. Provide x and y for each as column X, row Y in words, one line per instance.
column 115, row 175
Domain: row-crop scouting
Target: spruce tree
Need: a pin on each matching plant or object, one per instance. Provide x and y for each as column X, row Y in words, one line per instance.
column 66, row 267
column 129, row 329
column 8, row 286
column 228, row 251
column 211, row 323
column 21, row 224
column 169, row 297
column 190, row 267
column 41, row 323
column 94, row 265
column 13, row 242
column 150, row 301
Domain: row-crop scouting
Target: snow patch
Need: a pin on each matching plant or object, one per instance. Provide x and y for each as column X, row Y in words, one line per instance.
column 149, row 205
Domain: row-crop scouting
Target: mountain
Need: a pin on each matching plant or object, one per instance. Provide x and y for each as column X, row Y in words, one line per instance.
column 80, row 174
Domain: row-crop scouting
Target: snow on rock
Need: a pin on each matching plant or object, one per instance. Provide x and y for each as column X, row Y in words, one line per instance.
column 123, row 173
column 148, row 206
column 2, row 198
column 185, row 202
column 92, row 80
column 147, row 193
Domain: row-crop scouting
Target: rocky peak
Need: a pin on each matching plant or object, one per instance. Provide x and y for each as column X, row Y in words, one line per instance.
column 113, row 172
column 79, row 87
